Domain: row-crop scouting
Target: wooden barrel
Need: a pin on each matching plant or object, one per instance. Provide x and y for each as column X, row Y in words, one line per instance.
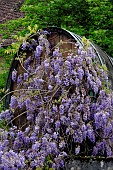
column 55, row 36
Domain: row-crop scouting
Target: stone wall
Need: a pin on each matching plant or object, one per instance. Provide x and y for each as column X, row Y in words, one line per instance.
column 90, row 164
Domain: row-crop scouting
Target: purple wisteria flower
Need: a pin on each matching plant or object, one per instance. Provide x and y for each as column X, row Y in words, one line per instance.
column 56, row 53
column 14, row 75
column 24, row 45
column 50, row 87
column 19, row 79
column 14, row 102
column 38, row 51
column 77, row 150
column 26, row 75
column 67, row 106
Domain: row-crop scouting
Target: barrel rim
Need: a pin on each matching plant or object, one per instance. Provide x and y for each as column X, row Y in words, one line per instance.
column 14, row 63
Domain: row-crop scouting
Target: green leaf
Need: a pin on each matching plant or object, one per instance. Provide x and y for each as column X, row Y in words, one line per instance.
column 39, row 168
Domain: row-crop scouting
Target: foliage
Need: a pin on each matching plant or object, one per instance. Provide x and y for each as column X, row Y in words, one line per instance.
column 67, row 110
column 59, row 12
column 14, row 47
column 93, row 19
column 100, row 27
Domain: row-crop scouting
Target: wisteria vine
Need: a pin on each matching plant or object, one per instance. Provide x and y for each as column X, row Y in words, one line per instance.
column 68, row 108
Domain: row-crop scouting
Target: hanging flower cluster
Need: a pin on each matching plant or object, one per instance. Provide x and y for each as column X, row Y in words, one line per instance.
column 69, row 110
